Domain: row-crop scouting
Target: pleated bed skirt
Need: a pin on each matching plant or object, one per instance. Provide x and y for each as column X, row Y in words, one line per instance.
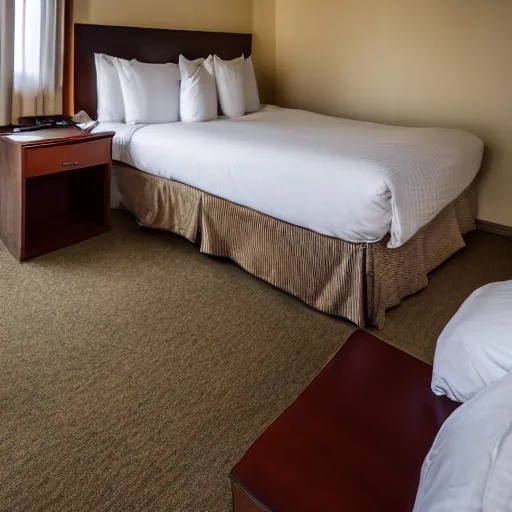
column 356, row 281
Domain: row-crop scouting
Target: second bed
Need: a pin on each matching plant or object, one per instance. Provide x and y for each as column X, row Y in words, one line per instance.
column 346, row 215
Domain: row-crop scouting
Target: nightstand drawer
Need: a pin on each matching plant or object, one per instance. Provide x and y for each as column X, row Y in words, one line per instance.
column 58, row 158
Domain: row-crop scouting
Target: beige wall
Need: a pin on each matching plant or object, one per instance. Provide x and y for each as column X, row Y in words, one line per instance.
column 215, row 15
column 264, row 47
column 416, row 62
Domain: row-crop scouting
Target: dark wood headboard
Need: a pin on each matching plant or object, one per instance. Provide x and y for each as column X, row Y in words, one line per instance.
column 146, row 45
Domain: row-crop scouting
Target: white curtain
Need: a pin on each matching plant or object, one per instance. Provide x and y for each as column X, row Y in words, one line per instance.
column 6, row 60
column 36, row 71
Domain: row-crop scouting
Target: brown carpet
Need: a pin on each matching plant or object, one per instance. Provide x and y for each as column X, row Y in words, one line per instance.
column 134, row 371
column 415, row 325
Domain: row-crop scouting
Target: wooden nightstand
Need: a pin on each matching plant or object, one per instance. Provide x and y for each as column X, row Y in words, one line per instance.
column 54, row 189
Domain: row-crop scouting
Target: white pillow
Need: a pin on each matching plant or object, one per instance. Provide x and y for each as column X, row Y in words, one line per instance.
column 471, row 458
column 252, row 97
column 198, row 96
column 475, row 348
column 151, row 92
column 230, row 77
column 108, row 87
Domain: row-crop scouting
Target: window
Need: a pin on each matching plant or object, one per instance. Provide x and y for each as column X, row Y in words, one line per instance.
column 27, row 44
column 37, row 71
column 32, row 57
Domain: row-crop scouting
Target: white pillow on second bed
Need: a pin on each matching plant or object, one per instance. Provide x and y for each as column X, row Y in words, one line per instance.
column 230, row 78
column 236, row 85
column 198, row 92
column 151, row 92
column 108, row 88
column 140, row 93
column 475, row 348
column 252, row 96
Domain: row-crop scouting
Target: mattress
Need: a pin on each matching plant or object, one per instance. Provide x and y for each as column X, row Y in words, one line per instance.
column 352, row 180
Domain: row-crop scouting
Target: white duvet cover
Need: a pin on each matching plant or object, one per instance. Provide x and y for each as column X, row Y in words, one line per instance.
column 348, row 179
column 469, row 467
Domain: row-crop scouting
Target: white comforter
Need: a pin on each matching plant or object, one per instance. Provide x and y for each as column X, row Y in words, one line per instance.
column 348, row 179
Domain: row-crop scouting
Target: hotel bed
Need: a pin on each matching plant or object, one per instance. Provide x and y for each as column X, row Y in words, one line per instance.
column 346, row 215
column 346, row 179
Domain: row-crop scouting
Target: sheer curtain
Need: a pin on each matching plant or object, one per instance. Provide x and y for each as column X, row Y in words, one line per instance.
column 6, row 60
column 36, row 69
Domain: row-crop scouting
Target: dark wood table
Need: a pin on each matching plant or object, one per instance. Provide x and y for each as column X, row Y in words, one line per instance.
column 354, row 441
column 54, row 189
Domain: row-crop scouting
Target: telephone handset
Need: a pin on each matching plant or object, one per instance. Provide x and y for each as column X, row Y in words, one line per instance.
column 32, row 123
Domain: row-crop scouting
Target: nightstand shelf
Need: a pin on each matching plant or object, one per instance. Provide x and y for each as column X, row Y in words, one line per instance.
column 59, row 234
column 54, row 191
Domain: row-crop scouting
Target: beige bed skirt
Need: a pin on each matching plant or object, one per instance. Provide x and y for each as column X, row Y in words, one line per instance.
column 355, row 281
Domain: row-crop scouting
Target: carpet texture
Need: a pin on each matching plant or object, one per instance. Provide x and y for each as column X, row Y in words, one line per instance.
column 135, row 372
column 415, row 325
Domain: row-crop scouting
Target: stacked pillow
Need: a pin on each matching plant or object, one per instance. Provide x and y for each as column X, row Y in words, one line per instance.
column 108, row 85
column 236, row 84
column 135, row 92
column 198, row 97
column 151, row 92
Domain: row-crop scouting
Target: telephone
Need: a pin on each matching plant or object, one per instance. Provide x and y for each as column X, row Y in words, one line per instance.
column 32, row 123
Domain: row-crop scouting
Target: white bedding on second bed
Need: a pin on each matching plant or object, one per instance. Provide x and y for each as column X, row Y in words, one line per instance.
column 352, row 180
